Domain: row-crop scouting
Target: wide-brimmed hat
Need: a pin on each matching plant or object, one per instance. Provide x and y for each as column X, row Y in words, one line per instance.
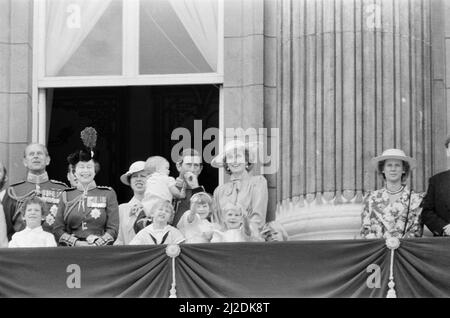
column 394, row 154
column 136, row 166
column 233, row 145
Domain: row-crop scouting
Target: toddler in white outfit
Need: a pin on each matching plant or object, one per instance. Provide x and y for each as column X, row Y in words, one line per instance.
column 159, row 185
column 194, row 223
column 236, row 226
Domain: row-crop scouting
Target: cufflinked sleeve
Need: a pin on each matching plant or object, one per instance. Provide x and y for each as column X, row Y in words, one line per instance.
column 67, row 239
column 105, row 239
column 112, row 219
column 429, row 216
column 260, row 198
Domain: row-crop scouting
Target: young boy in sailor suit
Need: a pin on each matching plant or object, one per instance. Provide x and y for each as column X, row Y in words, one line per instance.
column 159, row 232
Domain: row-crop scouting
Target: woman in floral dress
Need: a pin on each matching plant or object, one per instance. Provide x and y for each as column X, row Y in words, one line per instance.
column 394, row 210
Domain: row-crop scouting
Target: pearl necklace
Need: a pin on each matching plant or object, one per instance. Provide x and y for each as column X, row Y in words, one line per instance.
column 396, row 191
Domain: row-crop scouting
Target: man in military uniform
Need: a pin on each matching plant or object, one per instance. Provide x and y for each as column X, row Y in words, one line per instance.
column 37, row 183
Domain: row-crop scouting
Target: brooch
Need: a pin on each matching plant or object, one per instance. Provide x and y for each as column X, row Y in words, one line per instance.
column 95, row 213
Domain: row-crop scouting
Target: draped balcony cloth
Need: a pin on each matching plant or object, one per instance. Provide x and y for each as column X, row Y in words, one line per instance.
column 280, row 269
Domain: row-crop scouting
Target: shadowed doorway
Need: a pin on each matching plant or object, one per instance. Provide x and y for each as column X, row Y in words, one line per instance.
column 132, row 123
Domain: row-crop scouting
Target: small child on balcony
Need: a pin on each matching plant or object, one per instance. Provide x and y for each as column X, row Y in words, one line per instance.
column 236, row 226
column 159, row 185
column 159, row 231
column 194, row 223
column 33, row 235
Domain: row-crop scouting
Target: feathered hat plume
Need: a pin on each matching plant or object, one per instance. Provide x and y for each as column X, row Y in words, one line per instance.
column 89, row 138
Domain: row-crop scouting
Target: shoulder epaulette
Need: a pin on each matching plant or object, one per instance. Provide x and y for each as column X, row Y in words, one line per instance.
column 17, row 183
column 70, row 189
column 59, row 182
column 104, row 187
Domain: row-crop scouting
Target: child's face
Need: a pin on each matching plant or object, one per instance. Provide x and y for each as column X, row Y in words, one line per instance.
column 202, row 209
column 164, row 168
column 162, row 214
column 33, row 215
column 233, row 219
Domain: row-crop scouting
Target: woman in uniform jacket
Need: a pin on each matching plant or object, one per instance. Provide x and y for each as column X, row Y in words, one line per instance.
column 88, row 215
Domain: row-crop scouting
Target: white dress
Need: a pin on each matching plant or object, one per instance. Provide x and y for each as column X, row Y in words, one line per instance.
column 198, row 231
column 36, row 237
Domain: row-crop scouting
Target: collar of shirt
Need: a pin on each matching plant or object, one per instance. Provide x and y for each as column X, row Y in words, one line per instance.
column 37, row 179
column 243, row 176
column 90, row 186
column 151, row 227
column 403, row 198
column 36, row 229
column 236, row 182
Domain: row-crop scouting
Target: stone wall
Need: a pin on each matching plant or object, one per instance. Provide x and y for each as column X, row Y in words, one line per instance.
column 16, row 21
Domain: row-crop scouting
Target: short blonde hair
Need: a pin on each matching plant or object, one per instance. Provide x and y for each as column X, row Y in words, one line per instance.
column 165, row 204
column 153, row 163
column 202, row 198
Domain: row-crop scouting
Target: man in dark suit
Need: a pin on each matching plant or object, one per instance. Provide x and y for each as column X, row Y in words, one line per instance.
column 436, row 205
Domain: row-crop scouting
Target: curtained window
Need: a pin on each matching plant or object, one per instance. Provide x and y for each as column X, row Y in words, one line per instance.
column 102, row 37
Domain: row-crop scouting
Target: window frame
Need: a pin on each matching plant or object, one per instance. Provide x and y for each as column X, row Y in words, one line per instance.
column 130, row 65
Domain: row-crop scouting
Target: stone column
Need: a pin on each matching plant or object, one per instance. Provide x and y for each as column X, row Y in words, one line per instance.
column 351, row 79
column 15, row 83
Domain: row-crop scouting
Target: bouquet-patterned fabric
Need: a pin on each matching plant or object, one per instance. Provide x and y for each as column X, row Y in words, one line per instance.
column 383, row 219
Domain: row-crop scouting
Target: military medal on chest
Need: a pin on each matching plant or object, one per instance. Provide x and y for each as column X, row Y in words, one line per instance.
column 38, row 190
column 50, row 218
column 96, row 203
column 51, row 198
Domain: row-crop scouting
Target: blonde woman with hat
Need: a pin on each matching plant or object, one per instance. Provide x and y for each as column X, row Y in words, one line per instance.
column 135, row 178
column 248, row 191
column 394, row 210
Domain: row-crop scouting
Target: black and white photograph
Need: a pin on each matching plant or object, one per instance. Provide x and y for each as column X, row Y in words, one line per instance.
column 242, row 150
